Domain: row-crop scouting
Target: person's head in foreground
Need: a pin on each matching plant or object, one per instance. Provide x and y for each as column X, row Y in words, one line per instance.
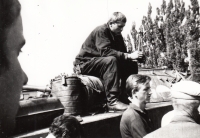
column 65, row 126
column 117, row 22
column 186, row 98
column 12, row 77
column 183, row 121
column 138, row 89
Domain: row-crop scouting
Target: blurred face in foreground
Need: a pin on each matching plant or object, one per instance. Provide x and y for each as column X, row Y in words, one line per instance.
column 12, row 77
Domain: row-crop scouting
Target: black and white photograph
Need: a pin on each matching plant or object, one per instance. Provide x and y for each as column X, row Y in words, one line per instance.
column 99, row 69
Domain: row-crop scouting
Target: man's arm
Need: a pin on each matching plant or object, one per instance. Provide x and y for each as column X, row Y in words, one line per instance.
column 103, row 44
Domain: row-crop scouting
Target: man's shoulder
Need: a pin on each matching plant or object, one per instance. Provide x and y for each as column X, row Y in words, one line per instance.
column 157, row 133
column 176, row 129
column 129, row 113
column 103, row 27
column 167, row 118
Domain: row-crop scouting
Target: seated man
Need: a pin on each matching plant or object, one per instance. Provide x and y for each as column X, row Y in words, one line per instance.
column 104, row 55
column 185, row 101
column 65, row 127
column 135, row 122
column 193, row 77
column 12, row 77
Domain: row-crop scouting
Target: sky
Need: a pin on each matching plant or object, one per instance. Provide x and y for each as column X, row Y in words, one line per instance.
column 55, row 30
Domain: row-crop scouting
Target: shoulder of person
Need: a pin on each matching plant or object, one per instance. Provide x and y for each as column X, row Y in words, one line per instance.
column 166, row 119
column 155, row 134
column 129, row 113
column 102, row 28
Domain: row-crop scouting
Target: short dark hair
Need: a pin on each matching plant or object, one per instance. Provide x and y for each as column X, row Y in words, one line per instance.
column 66, row 126
column 133, row 83
column 117, row 17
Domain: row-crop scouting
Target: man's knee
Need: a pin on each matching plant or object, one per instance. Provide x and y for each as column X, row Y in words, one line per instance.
column 111, row 60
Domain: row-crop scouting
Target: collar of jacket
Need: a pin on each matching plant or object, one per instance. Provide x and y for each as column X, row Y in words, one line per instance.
column 182, row 118
column 111, row 33
column 133, row 106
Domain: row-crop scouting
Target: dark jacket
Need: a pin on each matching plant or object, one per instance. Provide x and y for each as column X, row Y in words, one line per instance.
column 134, row 123
column 179, row 127
column 102, row 43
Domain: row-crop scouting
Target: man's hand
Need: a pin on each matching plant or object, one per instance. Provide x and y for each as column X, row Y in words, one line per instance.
column 135, row 55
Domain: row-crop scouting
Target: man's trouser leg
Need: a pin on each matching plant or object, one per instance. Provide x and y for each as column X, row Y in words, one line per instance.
column 107, row 69
column 127, row 68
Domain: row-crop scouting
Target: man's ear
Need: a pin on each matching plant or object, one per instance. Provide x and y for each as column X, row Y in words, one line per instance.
column 134, row 94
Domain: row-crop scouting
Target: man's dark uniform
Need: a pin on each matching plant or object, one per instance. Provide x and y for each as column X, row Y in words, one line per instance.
column 103, row 54
column 134, row 123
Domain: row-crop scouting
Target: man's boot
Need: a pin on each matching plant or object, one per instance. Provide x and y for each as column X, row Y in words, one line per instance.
column 114, row 104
